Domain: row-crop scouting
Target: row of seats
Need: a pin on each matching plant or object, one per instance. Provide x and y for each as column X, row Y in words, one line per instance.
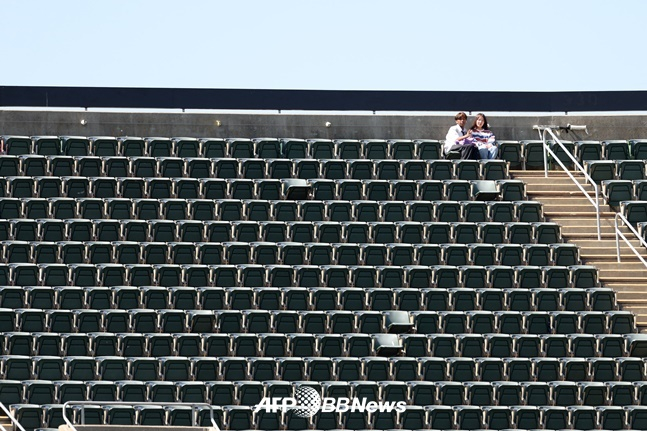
column 413, row 417
column 634, row 211
column 530, row 154
column 320, row 369
column 296, row 298
column 447, row 417
column 427, row 190
column 287, row 253
column 218, row 188
column 281, row 233
column 316, row 322
column 20, row 346
column 414, row 276
column 608, row 150
column 250, row 393
column 307, row 168
column 50, row 416
column 271, row 148
column 131, row 187
column 247, row 189
column 630, row 197
column 616, row 191
column 605, row 170
column 283, row 210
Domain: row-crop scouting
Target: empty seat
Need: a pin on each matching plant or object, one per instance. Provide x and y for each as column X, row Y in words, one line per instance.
column 601, row 170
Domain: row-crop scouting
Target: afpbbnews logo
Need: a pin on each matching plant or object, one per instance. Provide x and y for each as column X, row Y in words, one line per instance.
column 307, row 403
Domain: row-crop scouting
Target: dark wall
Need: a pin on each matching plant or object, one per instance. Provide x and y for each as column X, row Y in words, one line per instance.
column 322, row 100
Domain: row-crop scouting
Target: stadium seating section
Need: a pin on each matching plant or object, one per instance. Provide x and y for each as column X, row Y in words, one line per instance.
column 224, row 270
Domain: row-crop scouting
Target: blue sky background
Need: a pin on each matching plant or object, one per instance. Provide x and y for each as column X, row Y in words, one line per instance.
column 541, row 45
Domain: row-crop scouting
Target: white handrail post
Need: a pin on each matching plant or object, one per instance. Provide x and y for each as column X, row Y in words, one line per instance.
column 597, row 210
column 544, row 148
column 617, row 232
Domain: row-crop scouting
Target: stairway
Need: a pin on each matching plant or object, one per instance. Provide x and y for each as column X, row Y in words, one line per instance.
column 5, row 422
column 565, row 204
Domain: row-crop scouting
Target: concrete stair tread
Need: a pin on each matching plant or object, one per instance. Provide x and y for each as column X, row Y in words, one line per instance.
column 576, row 214
column 576, row 196
column 606, row 278
column 626, row 287
column 588, row 235
column 627, row 266
column 590, row 258
column 552, row 205
column 605, row 243
column 603, row 253
column 540, row 173
column 606, row 221
column 632, row 298
column 559, row 191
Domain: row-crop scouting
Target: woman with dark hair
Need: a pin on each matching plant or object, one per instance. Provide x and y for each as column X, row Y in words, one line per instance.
column 483, row 138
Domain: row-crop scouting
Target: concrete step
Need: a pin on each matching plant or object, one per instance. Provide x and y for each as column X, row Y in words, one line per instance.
column 632, row 298
column 641, row 322
column 607, row 221
column 577, row 236
column 626, row 286
column 539, row 173
column 613, row 276
column 588, row 258
column 563, row 212
column 623, row 279
column 558, row 189
column 637, row 308
column 591, row 227
column 561, row 197
column 565, row 204
column 640, row 312
column 569, row 207
column 537, row 182
column 629, row 266
column 605, row 252
column 606, row 243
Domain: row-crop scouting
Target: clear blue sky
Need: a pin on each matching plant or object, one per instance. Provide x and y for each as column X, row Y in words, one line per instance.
column 336, row 44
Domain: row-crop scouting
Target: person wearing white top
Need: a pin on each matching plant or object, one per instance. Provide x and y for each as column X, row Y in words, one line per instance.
column 455, row 141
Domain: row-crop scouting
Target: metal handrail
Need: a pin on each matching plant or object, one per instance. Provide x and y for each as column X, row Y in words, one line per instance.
column 624, row 238
column 121, row 403
column 13, row 420
column 542, row 134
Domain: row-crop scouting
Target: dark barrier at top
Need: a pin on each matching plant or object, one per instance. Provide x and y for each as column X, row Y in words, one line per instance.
column 321, row 100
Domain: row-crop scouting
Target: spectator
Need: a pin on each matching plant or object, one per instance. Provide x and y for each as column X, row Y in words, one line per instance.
column 457, row 139
column 483, row 138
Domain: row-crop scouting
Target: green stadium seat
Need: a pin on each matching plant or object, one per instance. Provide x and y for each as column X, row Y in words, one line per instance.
column 213, row 148
column 346, row 149
column 601, row 170
column 428, row 149
column 588, row 150
column 616, row 150
column 16, row 145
